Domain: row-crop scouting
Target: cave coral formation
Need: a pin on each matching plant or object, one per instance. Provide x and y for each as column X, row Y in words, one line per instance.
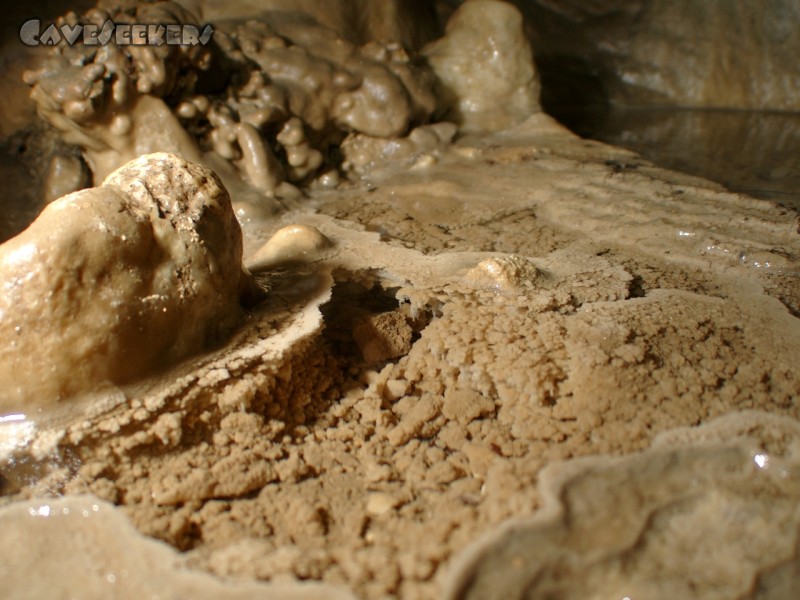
column 271, row 98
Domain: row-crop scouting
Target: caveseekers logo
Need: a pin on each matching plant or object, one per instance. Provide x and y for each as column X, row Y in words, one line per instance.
column 122, row 34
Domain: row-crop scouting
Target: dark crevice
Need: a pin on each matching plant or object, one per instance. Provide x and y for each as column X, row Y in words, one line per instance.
column 7, row 488
column 636, row 288
column 792, row 305
column 348, row 318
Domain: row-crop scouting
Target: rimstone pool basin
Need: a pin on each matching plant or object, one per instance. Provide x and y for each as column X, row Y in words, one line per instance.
column 329, row 308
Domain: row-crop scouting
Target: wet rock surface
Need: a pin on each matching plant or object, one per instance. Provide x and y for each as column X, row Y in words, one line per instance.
column 484, row 65
column 61, row 536
column 441, row 329
column 111, row 283
column 269, row 100
column 402, row 385
column 661, row 52
column 703, row 493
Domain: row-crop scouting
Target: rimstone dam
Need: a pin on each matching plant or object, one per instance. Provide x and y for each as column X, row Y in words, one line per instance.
column 400, row 299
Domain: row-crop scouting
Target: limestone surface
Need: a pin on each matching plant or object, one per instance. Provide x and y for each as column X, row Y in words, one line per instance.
column 487, row 80
column 64, row 536
column 666, row 52
column 696, row 503
column 266, row 104
column 476, row 363
column 398, row 391
column 111, row 283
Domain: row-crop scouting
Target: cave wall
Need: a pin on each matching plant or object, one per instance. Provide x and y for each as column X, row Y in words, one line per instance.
column 711, row 53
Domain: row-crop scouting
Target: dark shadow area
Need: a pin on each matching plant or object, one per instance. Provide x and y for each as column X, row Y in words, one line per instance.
column 584, row 49
column 749, row 152
column 24, row 162
column 347, row 317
